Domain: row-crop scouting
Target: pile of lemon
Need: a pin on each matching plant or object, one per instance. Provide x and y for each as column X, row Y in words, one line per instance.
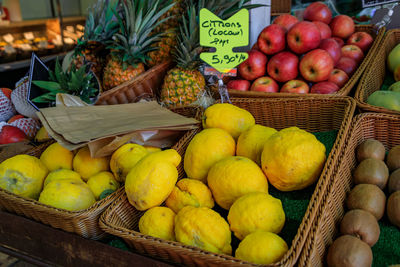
column 230, row 162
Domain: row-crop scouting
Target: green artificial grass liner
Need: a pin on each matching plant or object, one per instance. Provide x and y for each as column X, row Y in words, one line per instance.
column 387, row 250
column 388, row 81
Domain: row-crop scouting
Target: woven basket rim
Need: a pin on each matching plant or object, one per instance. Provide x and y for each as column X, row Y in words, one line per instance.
column 303, row 230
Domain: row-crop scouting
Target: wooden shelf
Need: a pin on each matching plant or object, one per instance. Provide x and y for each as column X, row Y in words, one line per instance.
column 45, row 246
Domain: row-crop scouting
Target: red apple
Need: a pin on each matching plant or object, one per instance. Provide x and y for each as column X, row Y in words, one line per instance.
column 254, row 66
column 347, row 65
column 283, row 67
column 14, row 118
column 295, row 86
column 7, row 92
column 286, row 21
column 318, row 11
column 354, row 52
column 339, row 41
column 324, row 88
column 338, row 77
column 316, row 65
column 303, row 37
column 332, row 47
column 342, row 26
column 324, row 29
column 272, row 39
column 10, row 134
column 396, row 73
column 361, row 39
column 265, row 84
column 241, row 85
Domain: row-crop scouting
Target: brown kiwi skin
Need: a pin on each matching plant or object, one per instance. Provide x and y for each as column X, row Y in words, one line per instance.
column 370, row 148
column 349, row 251
column 393, row 208
column 394, row 181
column 393, row 158
column 371, row 171
column 361, row 224
column 367, row 197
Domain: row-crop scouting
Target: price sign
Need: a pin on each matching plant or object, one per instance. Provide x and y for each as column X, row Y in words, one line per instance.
column 369, row 3
column 8, row 38
column 29, row 35
column 224, row 35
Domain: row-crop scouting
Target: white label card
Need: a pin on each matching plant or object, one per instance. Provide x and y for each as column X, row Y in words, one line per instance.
column 8, row 38
column 29, row 35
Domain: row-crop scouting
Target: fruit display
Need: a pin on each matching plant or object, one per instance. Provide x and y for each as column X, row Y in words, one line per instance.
column 59, row 178
column 318, row 55
column 367, row 204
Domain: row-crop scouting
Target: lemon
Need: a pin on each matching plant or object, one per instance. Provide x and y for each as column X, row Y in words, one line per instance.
column 42, row 135
column 251, row 142
column 152, row 179
column 158, row 222
column 205, row 149
column 152, row 149
column 101, row 182
column 204, row 228
column 234, row 177
column 87, row 166
column 189, row 192
column 23, row 175
column 62, row 174
column 292, row 159
column 226, row 116
column 57, row 157
column 256, row 211
column 67, row 194
column 261, row 248
column 124, row 158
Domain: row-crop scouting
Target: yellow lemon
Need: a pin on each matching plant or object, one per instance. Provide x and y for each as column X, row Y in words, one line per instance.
column 229, row 117
column 152, row 179
column 251, row 142
column 152, row 149
column 261, row 248
column 67, row 194
column 205, row 149
column 158, row 222
column 87, row 166
column 101, row 182
column 23, row 175
column 292, row 159
column 256, row 211
column 57, row 157
column 62, row 174
column 189, row 192
column 234, row 177
column 204, row 228
column 124, row 158
column 42, row 135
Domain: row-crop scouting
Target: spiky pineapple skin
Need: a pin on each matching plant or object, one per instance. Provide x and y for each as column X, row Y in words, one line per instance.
column 182, row 87
column 114, row 74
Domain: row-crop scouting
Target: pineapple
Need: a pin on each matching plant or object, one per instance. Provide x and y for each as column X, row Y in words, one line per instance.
column 130, row 47
column 183, row 84
column 99, row 29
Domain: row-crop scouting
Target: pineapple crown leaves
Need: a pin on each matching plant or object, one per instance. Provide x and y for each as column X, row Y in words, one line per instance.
column 100, row 24
column 75, row 82
column 187, row 52
column 139, row 18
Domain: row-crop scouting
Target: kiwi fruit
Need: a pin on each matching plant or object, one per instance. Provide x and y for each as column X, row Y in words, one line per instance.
column 393, row 208
column 393, row 158
column 370, row 148
column 394, row 181
column 371, row 171
column 367, row 197
column 361, row 224
column 349, row 251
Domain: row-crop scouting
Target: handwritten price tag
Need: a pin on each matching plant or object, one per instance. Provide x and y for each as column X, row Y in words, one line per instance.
column 224, row 35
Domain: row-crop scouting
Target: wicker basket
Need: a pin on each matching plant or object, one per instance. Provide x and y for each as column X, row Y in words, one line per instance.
column 143, row 86
column 345, row 90
column 375, row 74
column 311, row 114
column 382, row 127
column 83, row 223
column 279, row 7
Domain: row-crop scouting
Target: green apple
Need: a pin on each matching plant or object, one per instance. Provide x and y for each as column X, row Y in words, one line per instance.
column 393, row 59
column 395, row 87
column 385, row 99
